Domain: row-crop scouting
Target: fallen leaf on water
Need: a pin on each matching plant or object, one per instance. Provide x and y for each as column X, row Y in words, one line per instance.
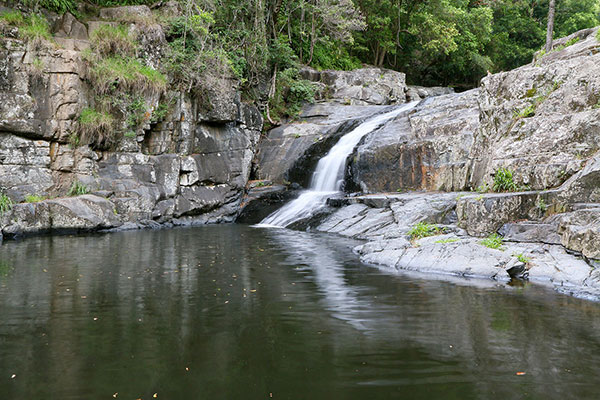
column 520, row 373
column 155, row 395
column 13, row 376
column 187, row 369
column 253, row 290
column 115, row 395
column 95, row 318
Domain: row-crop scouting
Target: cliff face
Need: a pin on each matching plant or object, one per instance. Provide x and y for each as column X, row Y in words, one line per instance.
column 190, row 166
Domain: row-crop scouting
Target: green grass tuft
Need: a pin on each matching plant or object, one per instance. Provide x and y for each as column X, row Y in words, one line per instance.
column 493, row 241
column 447, row 240
column 34, row 198
column 77, row 189
column 95, row 128
column 126, row 75
column 522, row 258
column 503, row 181
column 113, row 40
column 423, row 229
column 6, row 203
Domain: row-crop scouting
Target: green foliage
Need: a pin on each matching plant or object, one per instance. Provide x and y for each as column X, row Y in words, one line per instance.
column 113, row 40
column 160, row 112
column 33, row 28
column 503, row 181
column 6, row 203
column 58, row 6
column 447, row 240
column 13, row 18
column 541, row 206
column 77, row 189
column 126, row 75
column 422, row 229
column 483, row 188
column 291, row 92
column 36, row 29
column 34, row 198
column 493, row 241
column 527, row 112
column 96, row 128
column 522, row 258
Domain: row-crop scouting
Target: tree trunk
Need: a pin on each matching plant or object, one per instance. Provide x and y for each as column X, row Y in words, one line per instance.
column 550, row 31
column 312, row 38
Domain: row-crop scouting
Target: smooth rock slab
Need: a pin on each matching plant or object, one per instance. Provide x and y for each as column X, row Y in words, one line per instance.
column 81, row 213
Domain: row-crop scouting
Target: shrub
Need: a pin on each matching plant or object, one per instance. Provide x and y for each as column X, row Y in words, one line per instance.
column 493, row 241
column 5, row 203
column 33, row 198
column 503, row 181
column 113, row 40
column 77, row 189
column 422, row 230
column 95, row 128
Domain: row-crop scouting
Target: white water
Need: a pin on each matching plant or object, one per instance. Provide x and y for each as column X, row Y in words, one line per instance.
column 328, row 177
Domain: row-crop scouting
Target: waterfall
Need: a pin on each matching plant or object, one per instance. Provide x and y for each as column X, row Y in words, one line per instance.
column 328, row 177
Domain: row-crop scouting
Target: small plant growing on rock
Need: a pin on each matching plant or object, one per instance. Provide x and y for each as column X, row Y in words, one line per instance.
column 6, row 203
column 33, row 198
column 423, row 229
column 108, row 40
column 522, row 258
column 493, row 241
column 95, row 127
column 541, row 206
column 503, row 181
column 77, row 189
column 447, row 240
column 483, row 188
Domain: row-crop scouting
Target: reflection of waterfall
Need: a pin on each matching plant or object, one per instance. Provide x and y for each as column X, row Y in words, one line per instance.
column 317, row 256
column 329, row 174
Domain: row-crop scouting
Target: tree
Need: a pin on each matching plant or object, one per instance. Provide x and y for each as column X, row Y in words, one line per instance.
column 550, row 30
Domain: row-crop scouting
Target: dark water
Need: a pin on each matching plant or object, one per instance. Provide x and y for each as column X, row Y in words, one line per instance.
column 231, row 312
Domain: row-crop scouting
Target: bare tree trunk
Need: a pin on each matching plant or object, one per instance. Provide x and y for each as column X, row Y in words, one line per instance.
column 301, row 33
column 312, row 38
column 550, row 31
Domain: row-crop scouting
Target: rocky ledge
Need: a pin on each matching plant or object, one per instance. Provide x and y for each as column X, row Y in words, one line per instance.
column 550, row 252
column 538, row 124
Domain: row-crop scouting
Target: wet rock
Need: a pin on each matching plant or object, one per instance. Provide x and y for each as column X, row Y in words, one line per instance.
column 260, row 201
column 426, row 148
column 290, row 152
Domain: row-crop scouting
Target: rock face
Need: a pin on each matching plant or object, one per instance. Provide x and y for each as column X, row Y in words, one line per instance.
column 191, row 167
column 367, row 86
column 540, row 120
column 291, row 151
column 425, row 149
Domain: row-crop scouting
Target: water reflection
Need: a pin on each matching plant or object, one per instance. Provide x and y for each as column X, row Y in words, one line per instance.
column 231, row 312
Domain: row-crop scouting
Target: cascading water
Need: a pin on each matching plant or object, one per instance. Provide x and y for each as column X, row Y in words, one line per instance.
column 328, row 177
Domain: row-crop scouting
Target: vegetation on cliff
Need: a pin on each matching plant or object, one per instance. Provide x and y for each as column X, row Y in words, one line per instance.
column 449, row 42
